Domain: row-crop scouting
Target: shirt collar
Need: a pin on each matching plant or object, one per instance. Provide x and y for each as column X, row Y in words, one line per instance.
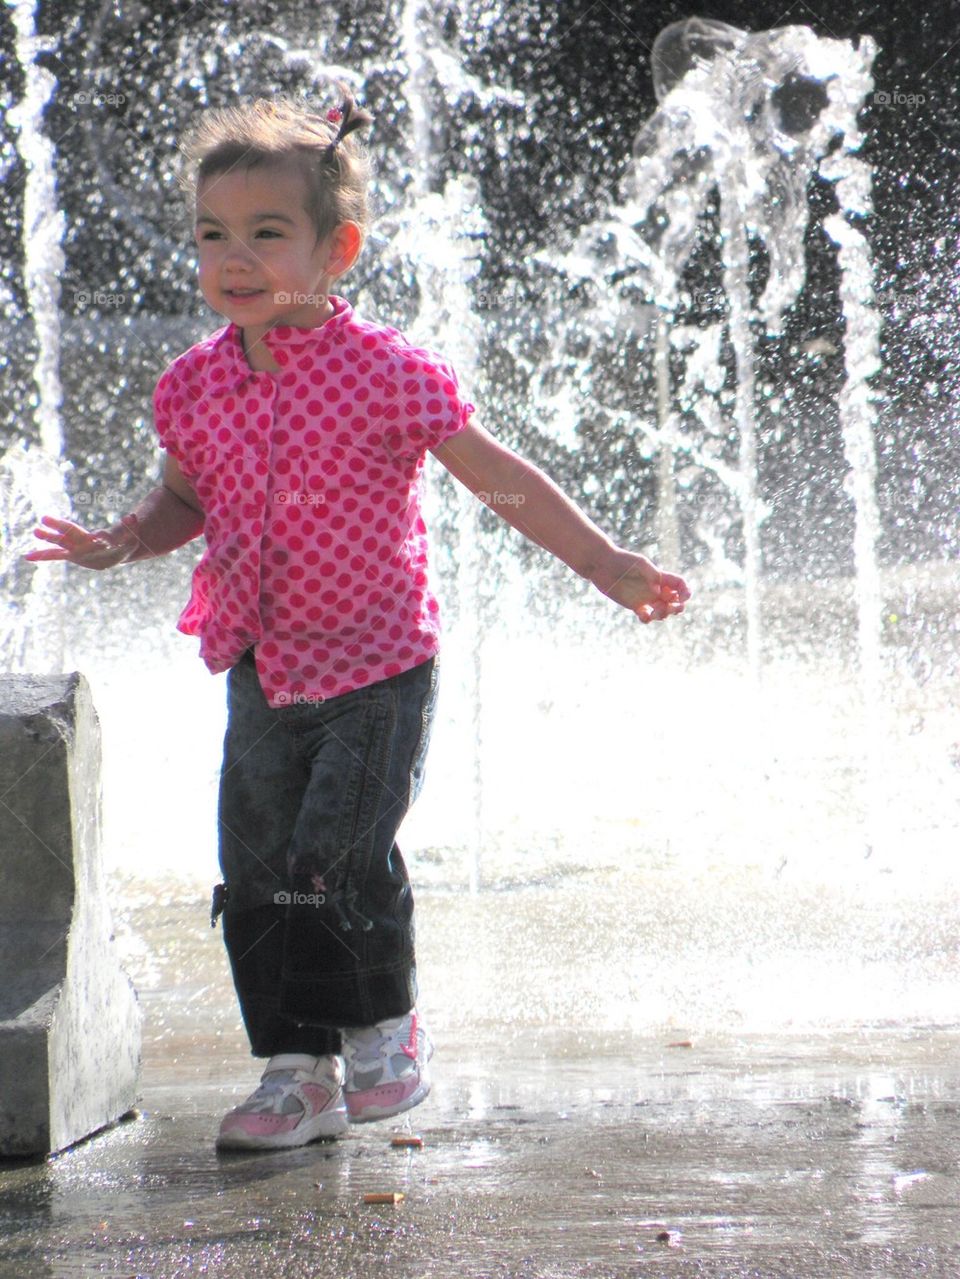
column 287, row 340
column 227, row 367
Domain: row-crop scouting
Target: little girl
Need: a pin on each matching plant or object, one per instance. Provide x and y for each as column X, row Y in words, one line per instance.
column 295, row 438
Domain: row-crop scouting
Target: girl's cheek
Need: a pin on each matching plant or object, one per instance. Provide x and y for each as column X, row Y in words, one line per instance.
column 206, row 279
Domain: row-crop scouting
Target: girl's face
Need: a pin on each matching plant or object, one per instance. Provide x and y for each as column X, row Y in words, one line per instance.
column 260, row 261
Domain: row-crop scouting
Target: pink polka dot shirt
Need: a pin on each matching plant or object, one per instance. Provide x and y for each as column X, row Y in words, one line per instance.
column 310, row 484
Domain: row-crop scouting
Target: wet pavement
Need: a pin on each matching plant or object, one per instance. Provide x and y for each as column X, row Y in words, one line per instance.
column 562, row 1138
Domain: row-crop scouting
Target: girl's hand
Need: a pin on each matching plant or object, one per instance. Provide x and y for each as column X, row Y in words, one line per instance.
column 103, row 548
column 633, row 581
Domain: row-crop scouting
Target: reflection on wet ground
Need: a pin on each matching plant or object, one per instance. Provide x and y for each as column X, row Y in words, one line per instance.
column 556, row 1144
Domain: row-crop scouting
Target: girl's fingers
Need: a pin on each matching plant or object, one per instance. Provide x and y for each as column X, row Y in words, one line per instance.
column 60, row 525
column 61, row 531
column 671, row 585
column 657, row 612
column 71, row 542
column 33, row 556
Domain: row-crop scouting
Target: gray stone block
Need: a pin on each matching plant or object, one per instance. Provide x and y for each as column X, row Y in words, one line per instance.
column 69, row 1017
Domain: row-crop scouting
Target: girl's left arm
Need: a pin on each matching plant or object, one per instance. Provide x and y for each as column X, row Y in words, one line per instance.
column 526, row 498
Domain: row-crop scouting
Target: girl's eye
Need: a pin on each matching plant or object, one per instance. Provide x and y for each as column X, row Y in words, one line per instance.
column 264, row 233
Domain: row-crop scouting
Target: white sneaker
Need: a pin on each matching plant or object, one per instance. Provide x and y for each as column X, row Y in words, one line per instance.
column 299, row 1099
column 386, row 1068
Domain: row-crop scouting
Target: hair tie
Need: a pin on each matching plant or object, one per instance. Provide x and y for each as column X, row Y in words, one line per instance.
column 347, row 117
column 337, row 116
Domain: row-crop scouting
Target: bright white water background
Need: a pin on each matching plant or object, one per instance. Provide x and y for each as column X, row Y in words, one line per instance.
column 714, row 846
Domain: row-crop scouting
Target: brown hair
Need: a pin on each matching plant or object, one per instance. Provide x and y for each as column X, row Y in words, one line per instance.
column 323, row 148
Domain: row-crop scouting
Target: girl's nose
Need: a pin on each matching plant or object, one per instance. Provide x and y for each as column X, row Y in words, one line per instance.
column 238, row 257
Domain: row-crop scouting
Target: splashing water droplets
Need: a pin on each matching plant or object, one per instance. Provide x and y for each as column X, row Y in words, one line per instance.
column 665, row 336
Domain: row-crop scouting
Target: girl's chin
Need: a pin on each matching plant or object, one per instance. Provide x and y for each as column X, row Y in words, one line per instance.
column 254, row 309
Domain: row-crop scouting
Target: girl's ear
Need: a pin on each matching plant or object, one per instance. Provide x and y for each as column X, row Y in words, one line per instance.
column 346, row 240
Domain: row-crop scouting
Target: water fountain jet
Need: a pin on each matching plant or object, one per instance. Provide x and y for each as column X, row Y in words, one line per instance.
column 557, row 668
column 32, row 470
column 752, row 117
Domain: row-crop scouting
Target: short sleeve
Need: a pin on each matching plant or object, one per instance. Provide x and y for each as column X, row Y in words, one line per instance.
column 165, row 398
column 431, row 408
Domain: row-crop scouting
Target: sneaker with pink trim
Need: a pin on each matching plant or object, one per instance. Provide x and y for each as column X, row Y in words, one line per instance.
column 299, row 1099
column 386, row 1068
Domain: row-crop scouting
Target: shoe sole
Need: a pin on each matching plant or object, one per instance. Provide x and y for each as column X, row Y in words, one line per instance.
column 324, row 1127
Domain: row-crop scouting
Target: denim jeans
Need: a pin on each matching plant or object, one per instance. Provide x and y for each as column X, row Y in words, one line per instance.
column 318, row 909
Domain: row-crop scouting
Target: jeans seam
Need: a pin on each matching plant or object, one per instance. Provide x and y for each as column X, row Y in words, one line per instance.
column 365, row 817
column 427, row 705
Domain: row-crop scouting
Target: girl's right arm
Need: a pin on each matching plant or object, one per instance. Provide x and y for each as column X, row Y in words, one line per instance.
column 168, row 516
